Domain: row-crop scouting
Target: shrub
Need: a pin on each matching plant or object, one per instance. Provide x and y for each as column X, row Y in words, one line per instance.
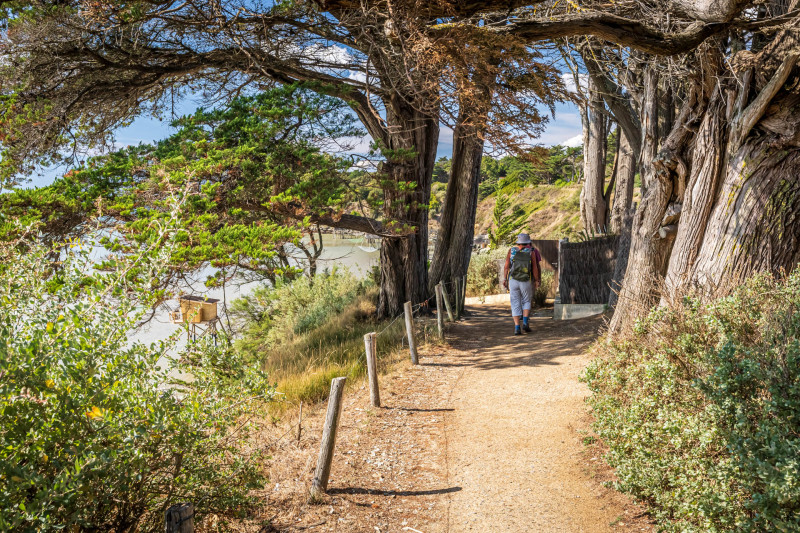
column 482, row 275
column 271, row 316
column 307, row 332
column 546, row 287
column 96, row 433
column 700, row 408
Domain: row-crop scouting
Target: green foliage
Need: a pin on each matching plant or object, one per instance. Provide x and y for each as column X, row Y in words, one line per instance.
column 507, row 222
column 441, row 170
column 700, row 408
column 96, row 432
column 251, row 174
column 271, row 316
column 557, row 164
column 546, row 287
column 438, row 192
column 483, row 275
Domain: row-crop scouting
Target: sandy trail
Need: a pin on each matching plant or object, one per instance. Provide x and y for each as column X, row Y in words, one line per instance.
column 514, row 435
column 484, row 435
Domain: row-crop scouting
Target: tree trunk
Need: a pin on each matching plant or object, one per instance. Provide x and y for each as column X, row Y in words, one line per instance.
column 755, row 225
column 649, row 123
column 736, row 205
column 650, row 249
column 408, row 172
column 457, row 228
column 594, row 208
column 623, row 253
column 623, row 188
column 744, row 217
column 694, row 207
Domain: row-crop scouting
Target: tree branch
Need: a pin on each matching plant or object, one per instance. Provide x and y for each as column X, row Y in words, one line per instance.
column 748, row 118
column 614, row 28
column 619, row 105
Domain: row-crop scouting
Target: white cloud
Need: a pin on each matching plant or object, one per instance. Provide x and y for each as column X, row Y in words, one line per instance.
column 569, row 81
column 357, row 76
column 573, row 141
column 357, row 145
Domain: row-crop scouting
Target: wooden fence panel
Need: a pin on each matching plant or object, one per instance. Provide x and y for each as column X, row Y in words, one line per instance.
column 586, row 270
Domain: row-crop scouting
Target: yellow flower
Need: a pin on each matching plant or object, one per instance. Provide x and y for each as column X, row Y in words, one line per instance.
column 50, row 383
column 96, row 412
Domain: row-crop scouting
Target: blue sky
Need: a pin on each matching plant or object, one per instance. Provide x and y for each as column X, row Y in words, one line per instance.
column 564, row 129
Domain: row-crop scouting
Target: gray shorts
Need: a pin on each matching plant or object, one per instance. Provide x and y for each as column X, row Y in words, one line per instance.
column 521, row 295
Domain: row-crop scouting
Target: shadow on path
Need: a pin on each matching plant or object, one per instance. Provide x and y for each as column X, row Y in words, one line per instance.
column 359, row 490
column 488, row 333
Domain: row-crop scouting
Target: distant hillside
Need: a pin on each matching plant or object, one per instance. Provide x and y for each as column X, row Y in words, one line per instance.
column 553, row 211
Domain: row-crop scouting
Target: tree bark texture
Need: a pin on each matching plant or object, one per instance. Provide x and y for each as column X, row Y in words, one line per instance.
column 649, row 253
column 411, row 154
column 623, row 252
column 457, row 228
column 623, row 187
column 594, row 208
column 728, row 179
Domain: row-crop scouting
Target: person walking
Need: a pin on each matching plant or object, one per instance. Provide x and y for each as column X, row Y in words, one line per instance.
column 521, row 276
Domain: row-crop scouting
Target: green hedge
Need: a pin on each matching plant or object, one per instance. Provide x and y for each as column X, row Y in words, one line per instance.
column 700, row 409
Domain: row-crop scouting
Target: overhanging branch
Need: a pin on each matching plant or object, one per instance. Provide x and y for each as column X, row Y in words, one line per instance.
column 616, row 29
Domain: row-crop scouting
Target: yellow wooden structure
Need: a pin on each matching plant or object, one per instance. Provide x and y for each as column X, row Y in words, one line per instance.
column 196, row 310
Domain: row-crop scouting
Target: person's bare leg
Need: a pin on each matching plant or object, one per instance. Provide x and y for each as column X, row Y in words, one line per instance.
column 516, row 320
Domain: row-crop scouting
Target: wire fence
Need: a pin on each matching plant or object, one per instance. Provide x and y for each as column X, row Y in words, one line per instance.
column 450, row 289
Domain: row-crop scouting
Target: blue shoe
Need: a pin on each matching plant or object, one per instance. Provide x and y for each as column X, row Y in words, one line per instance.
column 526, row 328
column 517, row 331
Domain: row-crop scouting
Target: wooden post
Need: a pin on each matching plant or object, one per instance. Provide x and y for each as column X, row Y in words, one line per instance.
column 447, row 303
column 440, row 310
column 464, row 293
column 412, row 344
column 371, row 346
column 457, row 297
column 320, row 482
column 300, row 422
column 179, row 518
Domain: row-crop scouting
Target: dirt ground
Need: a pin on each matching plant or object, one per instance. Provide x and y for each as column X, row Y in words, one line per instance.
column 487, row 434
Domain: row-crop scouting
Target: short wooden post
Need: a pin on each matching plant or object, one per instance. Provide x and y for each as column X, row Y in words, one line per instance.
column 300, row 422
column 457, row 296
column 412, row 344
column 320, row 482
column 179, row 518
column 371, row 346
column 447, row 303
column 440, row 310
column 463, row 294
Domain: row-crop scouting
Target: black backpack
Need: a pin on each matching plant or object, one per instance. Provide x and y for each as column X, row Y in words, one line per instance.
column 521, row 265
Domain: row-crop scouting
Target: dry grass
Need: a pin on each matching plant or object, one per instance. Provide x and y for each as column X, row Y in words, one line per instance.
column 553, row 212
column 304, row 367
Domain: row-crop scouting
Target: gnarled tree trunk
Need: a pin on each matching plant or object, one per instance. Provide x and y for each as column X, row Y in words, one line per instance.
column 457, row 228
column 594, row 207
column 651, row 247
column 623, row 188
column 730, row 194
column 409, row 171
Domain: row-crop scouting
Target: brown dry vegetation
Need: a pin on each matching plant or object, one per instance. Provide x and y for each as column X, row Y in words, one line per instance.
column 553, row 212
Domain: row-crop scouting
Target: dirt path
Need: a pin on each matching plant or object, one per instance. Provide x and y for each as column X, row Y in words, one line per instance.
column 484, row 435
column 514, row 435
